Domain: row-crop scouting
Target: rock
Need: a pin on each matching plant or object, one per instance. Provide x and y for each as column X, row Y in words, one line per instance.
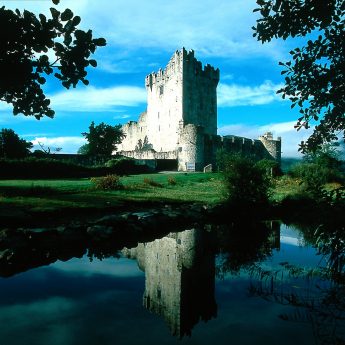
column 100, row 232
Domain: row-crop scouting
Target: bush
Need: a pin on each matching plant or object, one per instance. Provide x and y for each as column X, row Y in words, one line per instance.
column 125, row 166
column 109, row 182
column 31, row 168
column 246, row 183
column 270, row 167
column 172, row 181
column 314, row 176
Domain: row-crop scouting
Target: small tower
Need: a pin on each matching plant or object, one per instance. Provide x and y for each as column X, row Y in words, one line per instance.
column 272, row 146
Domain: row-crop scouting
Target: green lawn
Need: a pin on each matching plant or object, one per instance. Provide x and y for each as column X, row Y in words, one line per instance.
column 41, row 195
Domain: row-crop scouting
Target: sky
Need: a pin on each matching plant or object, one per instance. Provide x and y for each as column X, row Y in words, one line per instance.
column 141, row 37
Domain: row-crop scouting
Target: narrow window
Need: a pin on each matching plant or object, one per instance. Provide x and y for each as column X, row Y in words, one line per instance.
column 161, row 90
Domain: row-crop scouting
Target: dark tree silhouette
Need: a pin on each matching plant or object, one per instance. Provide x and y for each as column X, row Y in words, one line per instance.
column 25, row 41
column 11, row 146
column 315, row 78
column 102, row 139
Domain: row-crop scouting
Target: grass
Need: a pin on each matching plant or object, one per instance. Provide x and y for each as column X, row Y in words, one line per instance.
column 35, row 196
column 30, row 199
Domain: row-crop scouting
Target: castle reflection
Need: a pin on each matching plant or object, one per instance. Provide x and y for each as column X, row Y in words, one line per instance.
column 180, row 276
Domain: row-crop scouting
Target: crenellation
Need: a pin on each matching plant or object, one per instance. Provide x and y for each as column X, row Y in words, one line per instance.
column 181, row 117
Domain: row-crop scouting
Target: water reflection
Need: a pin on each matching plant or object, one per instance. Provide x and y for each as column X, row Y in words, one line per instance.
column 179, row 278
column 186, row 275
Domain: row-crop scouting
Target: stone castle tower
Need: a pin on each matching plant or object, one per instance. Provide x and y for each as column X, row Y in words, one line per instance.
column 181, row 118
column 179, row 278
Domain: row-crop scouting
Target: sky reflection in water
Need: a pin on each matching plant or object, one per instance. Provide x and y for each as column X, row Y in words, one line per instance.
column 78, row 302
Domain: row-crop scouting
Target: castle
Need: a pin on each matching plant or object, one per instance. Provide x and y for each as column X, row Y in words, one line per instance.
column 180, row 124
column 180, row 273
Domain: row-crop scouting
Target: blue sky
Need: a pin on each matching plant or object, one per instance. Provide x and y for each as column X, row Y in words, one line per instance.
column 141, row 37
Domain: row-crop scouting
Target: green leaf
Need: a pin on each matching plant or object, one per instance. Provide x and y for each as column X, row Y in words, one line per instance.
column 76, row 20
column 66, row 15
column 93, row 63
column 99, row 42
column 68, row 39
column 56, row 2
column 43, row 18
column 55, row 13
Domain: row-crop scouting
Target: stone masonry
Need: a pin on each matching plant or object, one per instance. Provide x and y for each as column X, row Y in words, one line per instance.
column 181, row 119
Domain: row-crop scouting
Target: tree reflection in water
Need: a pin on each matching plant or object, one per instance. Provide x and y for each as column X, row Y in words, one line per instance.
column 318, row 294
column 181, row 268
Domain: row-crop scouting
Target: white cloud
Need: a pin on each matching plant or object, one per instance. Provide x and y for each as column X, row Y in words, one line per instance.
column 232, row 95
column 98, row 99
column 291, row 138
column 121, row 117
column 220, row 29
column 68, row 144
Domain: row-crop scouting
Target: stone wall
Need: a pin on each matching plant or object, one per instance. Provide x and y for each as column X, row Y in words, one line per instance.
column 181, row 118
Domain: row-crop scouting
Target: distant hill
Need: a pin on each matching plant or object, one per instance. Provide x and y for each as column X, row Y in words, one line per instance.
column 286, row 163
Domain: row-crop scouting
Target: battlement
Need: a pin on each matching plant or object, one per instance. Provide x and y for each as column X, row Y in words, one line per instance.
column 182, row 61
column 194, row 66
column 180, row 122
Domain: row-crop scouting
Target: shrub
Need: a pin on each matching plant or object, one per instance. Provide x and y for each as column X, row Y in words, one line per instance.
column 109, row 182
column 246, row 183
column 152, row 183
column 172, row 180
column 270, row 167
column 125, row 166
column 314, row 176
column 37, row 168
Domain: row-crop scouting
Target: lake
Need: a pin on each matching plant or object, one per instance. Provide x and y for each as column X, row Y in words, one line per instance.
column 199, row 286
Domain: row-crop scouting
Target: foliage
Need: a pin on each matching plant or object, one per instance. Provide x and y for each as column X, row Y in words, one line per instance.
column 35, row 168
column 317, row 169
column 270, row 167
column 109, row 182
column 102, row 139
column 327, row 155
column 83, row 150
column 236, row 252
column 143, row 145
column 11, row 146
column 315, row 77
column 123, row 165
column 245, row 182
column 172, row 180
column 27, row 41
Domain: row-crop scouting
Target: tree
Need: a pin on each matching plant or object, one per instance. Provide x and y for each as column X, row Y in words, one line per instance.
column 246, row 183
column 11, row 146
column 315, row 78
column 26, row 42
column 102, row 139
column 83, row 150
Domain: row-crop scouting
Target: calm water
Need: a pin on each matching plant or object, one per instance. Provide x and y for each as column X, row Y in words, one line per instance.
column 183, row 288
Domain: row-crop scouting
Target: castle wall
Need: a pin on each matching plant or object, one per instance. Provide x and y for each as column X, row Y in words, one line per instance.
column 273, row 147
column 199, row 94
column 164, row 104
column 181, row 119
column 134, row 131
column 191, row 147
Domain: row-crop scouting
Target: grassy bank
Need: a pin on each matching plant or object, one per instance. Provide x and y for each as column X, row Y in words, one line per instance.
column 20, row 198
column 27, row 201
